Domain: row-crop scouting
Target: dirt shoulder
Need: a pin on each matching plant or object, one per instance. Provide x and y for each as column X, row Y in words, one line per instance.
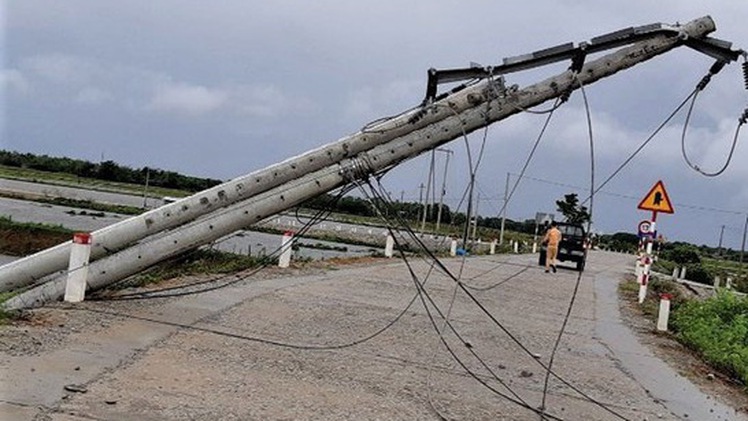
column 683, row 360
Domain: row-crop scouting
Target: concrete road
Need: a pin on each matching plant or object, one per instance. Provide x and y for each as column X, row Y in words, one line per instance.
column 52, row 190
column 215, row 356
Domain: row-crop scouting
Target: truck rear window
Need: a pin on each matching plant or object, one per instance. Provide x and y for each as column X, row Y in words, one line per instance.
column 571, row 231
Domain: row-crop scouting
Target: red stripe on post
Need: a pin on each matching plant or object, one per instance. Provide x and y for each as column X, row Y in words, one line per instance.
column 82, row 238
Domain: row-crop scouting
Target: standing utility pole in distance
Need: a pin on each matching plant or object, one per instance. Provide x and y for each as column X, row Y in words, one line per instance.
column 448, row 152
column 742, row 247
column 503, row 210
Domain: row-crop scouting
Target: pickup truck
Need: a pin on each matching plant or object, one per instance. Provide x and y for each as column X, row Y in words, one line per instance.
column 573, row 246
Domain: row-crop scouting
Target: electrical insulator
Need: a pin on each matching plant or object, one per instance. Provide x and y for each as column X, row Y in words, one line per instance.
column 703, row 82
column 745, row 73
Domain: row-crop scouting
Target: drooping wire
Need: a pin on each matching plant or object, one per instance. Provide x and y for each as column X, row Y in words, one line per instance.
column 503, row 328
column 168, row 291
column 426, row 300
column 530, row 155
column 642, row 145
column 700, row 87
column 245, row 337
column 256, row 339
column 567, row 316
column 469, row 191
column 501, row 282
column 381, row 197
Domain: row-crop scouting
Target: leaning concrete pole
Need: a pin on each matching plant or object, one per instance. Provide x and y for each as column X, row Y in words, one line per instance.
column 30, row 269
column 450, row 118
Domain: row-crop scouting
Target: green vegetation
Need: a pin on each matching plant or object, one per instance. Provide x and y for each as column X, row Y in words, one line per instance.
column 702, row 263
column 572, row 210
column 717, row 328
column 197, row 262
column 7, row 316
column 106, row 175
column 362, row 211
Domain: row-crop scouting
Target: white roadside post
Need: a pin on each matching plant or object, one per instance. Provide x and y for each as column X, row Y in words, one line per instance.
column 285, row 257
column 80, row 251
column 453, row 248
column 389, row 246
column 516, row 246
column 493, row 247
column 664, row 315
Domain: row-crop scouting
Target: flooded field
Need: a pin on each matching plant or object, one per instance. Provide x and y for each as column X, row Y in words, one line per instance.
column 243, row 242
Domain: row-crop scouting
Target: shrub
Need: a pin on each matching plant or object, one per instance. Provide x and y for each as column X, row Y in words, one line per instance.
column 698, row 273
column 718, row 329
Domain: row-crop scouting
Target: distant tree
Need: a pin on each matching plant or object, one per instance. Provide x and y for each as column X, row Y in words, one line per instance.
column 571, row 209
column 682, row 253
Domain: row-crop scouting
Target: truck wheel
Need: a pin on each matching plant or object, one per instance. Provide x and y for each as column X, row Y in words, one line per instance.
column 580, row 265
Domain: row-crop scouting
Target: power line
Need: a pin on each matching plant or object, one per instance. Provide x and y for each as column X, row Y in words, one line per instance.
column 496, row 322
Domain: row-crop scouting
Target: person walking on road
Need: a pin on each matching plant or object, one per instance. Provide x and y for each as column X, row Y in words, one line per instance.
column 552, row 239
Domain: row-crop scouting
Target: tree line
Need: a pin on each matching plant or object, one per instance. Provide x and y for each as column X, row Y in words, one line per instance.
column 411, row 211
column 106, row 170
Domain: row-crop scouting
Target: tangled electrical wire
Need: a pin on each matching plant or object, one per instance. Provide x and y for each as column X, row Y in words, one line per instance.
column 716, row 67
column 373, row 193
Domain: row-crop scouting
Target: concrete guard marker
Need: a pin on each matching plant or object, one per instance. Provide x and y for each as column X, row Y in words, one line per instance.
column 389, row 246
column 664, row 315
column 285, row 257
column 80, row 251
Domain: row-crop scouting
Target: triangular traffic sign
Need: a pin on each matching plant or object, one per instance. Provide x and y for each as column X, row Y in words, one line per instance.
column 657, row 200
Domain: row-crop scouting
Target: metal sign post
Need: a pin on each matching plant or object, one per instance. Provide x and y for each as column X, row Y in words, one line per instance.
column 657, row 200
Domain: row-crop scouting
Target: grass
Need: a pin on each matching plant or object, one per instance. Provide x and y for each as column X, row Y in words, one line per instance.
column 717, row 328
column 6, row 316
column 196, row 262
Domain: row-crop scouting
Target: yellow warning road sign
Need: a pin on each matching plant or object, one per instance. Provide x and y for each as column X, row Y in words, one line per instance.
column 657, row 200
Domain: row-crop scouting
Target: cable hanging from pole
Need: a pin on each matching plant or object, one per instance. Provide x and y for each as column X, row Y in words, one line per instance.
column 716, row 67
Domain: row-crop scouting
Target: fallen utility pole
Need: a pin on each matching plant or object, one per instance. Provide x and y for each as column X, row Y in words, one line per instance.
column 249, row 199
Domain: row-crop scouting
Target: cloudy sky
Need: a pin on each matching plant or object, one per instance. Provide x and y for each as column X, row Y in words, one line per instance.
column 219, row 89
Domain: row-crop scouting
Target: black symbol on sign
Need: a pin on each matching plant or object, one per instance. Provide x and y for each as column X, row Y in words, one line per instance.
column 657, row 198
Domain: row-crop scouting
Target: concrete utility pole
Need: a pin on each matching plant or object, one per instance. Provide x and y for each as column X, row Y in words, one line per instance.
column 127, row 247
column 447, row 152
column 719, row 247
column 145, row 188
column 429, row 189
column 503, row 209
column 475, row 217
column 742, row 246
